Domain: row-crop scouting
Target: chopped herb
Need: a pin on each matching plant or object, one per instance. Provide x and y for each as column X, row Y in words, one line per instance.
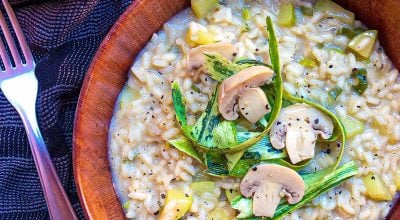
column 308, row 11
column 245, row 28
column 335, row 93
column 359, row 80
column 350, row 32
column 246, row 14
column 308, row 62
column 195, row 88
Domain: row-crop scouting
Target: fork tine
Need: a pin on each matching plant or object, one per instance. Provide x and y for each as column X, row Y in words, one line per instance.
column 10, row 40
column 4, row 56
column 18, row 31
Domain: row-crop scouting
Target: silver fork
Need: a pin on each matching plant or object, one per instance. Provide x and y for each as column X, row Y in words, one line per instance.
column 20, row 86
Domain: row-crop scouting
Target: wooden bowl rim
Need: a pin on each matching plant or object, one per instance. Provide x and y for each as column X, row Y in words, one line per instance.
column 88, row 78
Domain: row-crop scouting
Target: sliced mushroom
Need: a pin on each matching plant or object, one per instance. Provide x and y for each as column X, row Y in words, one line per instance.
column 196, row 57
column 297, row 129
column 233, row 87
column 253, row 104
column 267, row 184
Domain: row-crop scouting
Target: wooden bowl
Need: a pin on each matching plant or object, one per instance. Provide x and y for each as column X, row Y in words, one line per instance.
column 108, row 73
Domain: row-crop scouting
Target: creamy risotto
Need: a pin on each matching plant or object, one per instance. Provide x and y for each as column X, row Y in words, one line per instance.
column 220, row 120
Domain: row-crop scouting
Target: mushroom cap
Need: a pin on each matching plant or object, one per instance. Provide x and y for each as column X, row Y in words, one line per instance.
column 196, row 57
column 253, row 104
column 267, row 183
column 297, row 129
column 232, row 87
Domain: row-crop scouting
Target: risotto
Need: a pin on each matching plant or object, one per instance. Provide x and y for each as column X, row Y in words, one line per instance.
column 252, row 109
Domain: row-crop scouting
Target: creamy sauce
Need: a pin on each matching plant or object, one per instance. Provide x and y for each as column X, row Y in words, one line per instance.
column 176, row 26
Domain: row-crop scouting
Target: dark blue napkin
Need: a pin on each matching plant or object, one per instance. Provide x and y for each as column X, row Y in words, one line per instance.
column 64, row 36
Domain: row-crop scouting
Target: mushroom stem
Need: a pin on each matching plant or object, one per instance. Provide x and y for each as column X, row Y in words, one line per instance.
column 297, row 128
column 300, row 144
column 267, row 184
column 268, row 193
column 253, row 104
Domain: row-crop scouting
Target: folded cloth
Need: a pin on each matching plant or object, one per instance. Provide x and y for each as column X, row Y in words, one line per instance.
column 64, row 36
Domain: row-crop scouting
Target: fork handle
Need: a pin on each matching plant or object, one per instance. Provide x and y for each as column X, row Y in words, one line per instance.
column 57, row 200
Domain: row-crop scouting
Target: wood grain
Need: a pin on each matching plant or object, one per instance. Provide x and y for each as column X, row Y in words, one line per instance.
column 107, row 75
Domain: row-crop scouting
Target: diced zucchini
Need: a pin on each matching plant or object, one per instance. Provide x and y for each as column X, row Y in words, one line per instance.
column 128, row 95
column 231, row 194
column 376, row 189
column 334, row 10
column 350, row 32
column 218, row 214
column 201, row 8
column 364, row 43
column 199, row 188
column 200, row 37
column 397, row 179
column 286, row 15
column 246, row 14
column 352, row 126
column 308, row 63
column 195, row 88
column 359, row 80
column 127, row 204
column 177, row 203
column 335, row 93
column 308, row 11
